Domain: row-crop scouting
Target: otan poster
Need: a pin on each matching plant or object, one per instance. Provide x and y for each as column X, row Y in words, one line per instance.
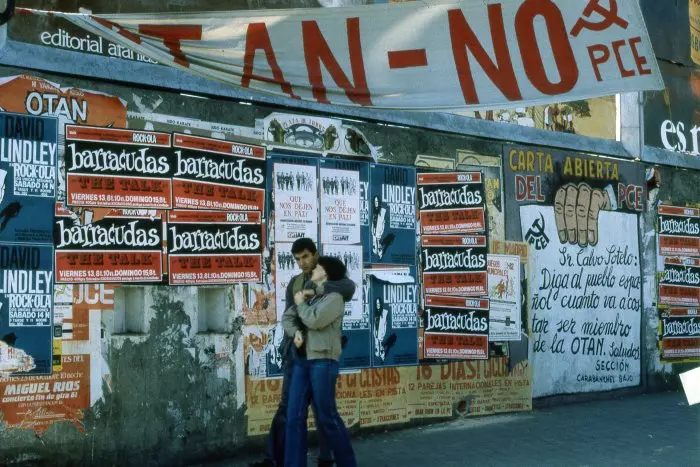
column 218, row 175
column 394, row 319
column 679, row 231
column 214, row 247
column 456, row 327
column 679, row 337
column 451, row 202
column 285, row 269
column 454, row 264
column 340, row 206
column 114, row 168
column 296, row 202
column 108, row 245
column 679, row 284
column 392, row 214
column 363, row 169
column 26, row 309
column 504, row 292
column 28, row 163
column 585, row 306
column 351, row 256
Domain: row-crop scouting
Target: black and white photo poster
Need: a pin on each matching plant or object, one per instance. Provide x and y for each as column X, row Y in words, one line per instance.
column 285, row 269
column 351, row 256
column 296, row 202
column 340, row 206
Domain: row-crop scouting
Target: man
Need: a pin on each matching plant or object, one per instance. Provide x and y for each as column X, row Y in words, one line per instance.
column 306, row 256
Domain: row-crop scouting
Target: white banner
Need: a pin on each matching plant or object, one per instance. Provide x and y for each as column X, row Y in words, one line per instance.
column 415, row 55
column 585, row 307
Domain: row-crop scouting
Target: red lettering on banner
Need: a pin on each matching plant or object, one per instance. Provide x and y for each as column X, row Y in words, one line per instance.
column 639, row 60
column 598, row 60
column 625, row 73
column 407, row 58
column 501, row 73
column 610, row 17
column 316, row 50
column 172, row 34
column 257, row 38
column 558, row 40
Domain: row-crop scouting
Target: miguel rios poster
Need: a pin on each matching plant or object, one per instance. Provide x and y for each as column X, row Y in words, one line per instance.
column 214, row 247
column 394, row 319
column 679, row 231
column 679, row 338
column 108, row 245
column 296, row 202
column 451, row 203
column 363, row 169
column 392, row 214
column 28, row 162
column 26, row 309
column 340, row 206
column 113, row 168
column 454, row 264
column 504, row 292
column 218, row 175
column 456, row 327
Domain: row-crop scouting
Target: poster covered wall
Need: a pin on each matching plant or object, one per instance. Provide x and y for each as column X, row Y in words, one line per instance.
column 578, row 214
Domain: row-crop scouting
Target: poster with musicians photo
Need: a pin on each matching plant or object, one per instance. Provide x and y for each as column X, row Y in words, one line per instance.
column 579, row 215
column 285, row 269
column 217, row 174
column 351, row 256
column 392, row 196
column 28, row 164
column 101, row 245
column 115, row 168
column 340, row 206
column 296, row 202
column 362, row 168
column 451, row 203
column 393, row 305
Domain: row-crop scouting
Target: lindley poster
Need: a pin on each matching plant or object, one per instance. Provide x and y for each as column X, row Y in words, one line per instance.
column 456, row 327
column 214, row 247
column 393, row 305
column 28, row 163
column 454, row 264
column 114, row 168
column 108, row 245
column 26, row 309
column 392, row 214
column 219, row 175
column 340, row 206
column 451, row 202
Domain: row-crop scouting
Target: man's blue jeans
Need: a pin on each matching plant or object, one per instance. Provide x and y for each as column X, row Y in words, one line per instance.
column 275, row 447
column 314, row 381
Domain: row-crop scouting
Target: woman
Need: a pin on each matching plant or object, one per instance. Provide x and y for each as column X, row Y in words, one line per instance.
column 318, row 344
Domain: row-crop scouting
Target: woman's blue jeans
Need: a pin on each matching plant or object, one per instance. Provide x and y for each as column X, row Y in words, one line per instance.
column 314, row 381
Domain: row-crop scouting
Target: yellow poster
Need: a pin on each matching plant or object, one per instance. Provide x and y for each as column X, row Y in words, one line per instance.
column 428, row 395
column 382, row 394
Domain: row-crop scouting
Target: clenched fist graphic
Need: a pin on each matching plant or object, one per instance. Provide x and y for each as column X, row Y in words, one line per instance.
column 576, row 210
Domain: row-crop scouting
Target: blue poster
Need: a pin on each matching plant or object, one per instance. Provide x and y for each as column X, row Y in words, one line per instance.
column 28, row 162
column 392, row 211
column 394, row 319
column 26, row 309
column 363, row 169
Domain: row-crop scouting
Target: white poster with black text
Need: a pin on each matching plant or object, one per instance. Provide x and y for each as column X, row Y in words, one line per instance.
column 296, row 202
column 504, row 292
column 584, row 306
column 340, row 206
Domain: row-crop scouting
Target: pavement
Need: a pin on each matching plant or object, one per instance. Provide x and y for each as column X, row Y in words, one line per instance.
column 651, row 429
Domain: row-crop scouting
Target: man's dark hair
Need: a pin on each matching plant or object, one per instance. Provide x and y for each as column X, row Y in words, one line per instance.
column 335, row 269
column 301, row 244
